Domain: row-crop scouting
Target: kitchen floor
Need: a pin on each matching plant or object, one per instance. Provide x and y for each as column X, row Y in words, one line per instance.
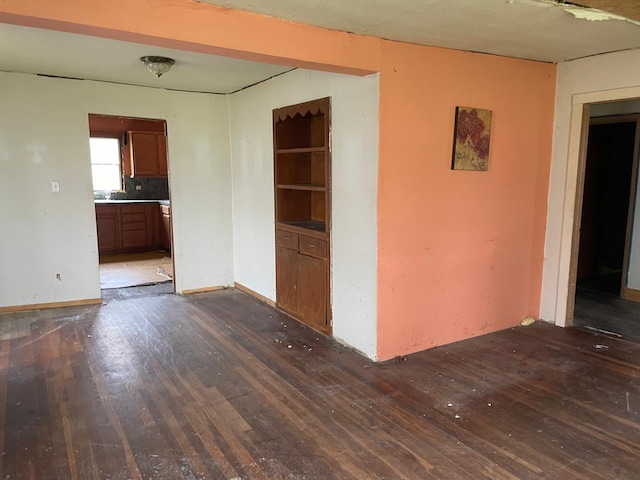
column 130, row 270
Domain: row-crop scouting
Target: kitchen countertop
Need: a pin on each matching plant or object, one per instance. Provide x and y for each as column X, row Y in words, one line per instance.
column 107, row 202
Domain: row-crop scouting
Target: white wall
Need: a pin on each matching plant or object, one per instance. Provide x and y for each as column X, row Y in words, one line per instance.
column 44, row 137
column 601, row 78
column 354, row 104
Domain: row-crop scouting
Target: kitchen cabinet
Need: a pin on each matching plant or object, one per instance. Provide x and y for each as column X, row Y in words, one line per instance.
column 165, row 227
column 127, row 227
column 302, row 174
column 148, row 154
column 138, row 226
column 108, row 225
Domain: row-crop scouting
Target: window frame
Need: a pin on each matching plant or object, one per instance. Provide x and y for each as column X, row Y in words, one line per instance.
column 116, row 136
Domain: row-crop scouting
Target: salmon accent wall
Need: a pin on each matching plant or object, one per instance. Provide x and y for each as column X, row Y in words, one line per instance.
column 459, row 252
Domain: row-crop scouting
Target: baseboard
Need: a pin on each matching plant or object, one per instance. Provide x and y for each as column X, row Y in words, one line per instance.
column 262, row 298
column 201, row 290
column 43, row 306
column 631, row 294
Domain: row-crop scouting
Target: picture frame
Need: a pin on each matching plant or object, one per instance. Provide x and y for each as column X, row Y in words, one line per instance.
column 471, row 139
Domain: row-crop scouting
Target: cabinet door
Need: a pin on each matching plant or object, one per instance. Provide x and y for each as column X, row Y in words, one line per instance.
column 144, row 154
column 286, row 274
column 163, row 169
column 108, row 227
column 165, row 228
column 311, row 291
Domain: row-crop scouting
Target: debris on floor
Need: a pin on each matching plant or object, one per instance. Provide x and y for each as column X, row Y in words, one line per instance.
column 527, row 321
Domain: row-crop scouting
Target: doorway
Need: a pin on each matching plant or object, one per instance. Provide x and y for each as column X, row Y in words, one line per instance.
column 603, row 282
column 133, row 211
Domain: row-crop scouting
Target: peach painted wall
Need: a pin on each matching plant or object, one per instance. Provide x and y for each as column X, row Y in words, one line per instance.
column 459, row 253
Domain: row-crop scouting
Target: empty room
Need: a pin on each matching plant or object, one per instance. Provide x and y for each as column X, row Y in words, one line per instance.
column 255, row 240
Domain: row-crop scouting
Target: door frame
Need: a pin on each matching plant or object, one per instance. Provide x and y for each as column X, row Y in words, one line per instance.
column 120, row 132
column 625, row 291
column 574, row 189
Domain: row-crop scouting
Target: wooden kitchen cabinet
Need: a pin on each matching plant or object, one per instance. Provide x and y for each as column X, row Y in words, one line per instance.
column 148, row 154
column 302, row 174
column 137, row 226
column 127, row 227
column 163, row 166
column 165, row 227
column 108, row 223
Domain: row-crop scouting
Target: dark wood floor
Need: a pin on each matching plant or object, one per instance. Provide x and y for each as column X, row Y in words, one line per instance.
column 607, row 312
column 220, row 386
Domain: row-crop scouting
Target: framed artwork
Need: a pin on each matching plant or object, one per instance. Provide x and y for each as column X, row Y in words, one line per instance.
column 471, row 138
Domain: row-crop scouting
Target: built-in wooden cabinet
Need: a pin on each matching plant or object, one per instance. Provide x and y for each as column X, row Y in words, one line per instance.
column 148, row 154
column 127, row 227
column 302, row 174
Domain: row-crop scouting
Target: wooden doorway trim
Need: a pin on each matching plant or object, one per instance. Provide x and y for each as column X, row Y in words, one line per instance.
column 572, row 214
column 583, row 113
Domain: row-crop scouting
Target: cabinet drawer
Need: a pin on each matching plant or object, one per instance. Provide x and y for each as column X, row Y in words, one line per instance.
column 135, row 218
column 106, row 211
column 287, row 239
column 128, row 208
column 312, row 246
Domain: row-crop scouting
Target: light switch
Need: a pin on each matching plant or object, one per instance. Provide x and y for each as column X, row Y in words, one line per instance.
column 55, row 186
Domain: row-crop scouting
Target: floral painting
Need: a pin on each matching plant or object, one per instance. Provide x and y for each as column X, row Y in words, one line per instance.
column 472, row 134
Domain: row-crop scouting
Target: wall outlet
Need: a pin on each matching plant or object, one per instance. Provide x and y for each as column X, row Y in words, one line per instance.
column 55, row 186
column 138, row 187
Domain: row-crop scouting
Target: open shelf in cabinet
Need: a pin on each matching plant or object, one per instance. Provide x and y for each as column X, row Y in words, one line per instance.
column 298, row 205
column 301, row 168
column 302, row 131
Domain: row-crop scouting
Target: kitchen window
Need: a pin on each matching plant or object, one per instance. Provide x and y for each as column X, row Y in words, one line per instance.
column 105, row 163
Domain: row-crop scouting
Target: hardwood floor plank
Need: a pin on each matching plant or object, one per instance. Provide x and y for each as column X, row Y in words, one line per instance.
column 220, row 386
column 4, row 371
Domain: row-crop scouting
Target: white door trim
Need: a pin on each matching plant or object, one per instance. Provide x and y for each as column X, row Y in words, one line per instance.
column 573, row 192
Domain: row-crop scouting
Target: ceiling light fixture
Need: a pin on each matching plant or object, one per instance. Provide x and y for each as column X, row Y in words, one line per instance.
column 158, row 65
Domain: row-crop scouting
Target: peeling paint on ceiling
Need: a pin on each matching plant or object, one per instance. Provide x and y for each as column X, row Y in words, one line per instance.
column 594, row 15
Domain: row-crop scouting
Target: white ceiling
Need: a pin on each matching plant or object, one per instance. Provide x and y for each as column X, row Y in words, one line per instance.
column 47, row 52
column 533, row 29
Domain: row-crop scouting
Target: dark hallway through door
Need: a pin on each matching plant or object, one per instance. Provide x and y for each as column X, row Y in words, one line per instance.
column 607, row 187
column 607, row 209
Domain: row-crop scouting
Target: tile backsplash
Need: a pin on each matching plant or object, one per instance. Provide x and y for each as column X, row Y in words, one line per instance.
column 139, row 188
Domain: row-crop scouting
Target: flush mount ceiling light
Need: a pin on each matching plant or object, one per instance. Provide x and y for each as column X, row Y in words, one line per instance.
column 158, row 65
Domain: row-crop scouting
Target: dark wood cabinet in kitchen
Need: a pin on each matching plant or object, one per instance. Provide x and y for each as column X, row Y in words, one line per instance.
column 127, row 227
column 165, row 227
column 108, row 223
column 137, row 225
column 148, row 153
column 302, row 172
